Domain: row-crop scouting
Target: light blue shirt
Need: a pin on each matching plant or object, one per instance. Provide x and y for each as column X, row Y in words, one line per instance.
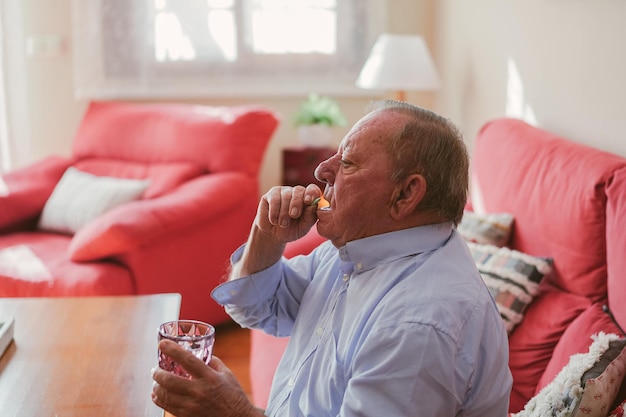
column 398, row 324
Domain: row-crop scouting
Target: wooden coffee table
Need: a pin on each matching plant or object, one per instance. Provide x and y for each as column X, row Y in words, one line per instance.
column 88, row 356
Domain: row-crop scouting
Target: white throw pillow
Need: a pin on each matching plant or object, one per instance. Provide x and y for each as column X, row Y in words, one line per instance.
column 587, row 386
column 79, row 197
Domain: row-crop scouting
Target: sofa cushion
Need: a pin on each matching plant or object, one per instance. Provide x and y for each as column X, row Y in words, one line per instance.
column 533, row 341
column 556, row 192
column 486, row 228
column 616, row 244
column 587, row 385
column 164, row 177
column 512, row 277
column 619, row 410
column 576, row 340
column 21, row 263
column 51, row 274
column 80, row 197
column 216, row 138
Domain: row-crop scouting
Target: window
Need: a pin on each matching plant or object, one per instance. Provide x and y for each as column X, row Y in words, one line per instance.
column 187, row 48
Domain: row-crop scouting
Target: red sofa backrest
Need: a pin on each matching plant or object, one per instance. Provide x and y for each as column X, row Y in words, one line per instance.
column 556, row 190
column 216, row 138
column 171, row 143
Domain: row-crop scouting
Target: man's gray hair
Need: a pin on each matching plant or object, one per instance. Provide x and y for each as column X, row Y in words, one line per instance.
column 432, row 146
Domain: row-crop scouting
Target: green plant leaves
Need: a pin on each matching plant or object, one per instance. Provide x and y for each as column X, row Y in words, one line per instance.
column 319, row 110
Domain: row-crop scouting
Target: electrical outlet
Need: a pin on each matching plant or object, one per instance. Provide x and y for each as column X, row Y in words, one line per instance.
column 47, row 46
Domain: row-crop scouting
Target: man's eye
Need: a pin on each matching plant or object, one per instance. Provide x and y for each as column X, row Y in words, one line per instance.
column 344, row 163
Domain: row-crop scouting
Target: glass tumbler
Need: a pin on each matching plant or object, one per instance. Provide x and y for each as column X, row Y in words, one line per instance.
column 195, row 336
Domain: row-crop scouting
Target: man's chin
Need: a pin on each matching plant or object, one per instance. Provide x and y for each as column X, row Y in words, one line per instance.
column 325, row 230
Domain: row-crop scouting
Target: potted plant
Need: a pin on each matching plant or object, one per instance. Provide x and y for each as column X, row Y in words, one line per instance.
column 315, row 119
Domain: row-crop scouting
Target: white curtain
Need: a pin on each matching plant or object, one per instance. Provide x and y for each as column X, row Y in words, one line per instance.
column 117, row 53
column 15, row 147
column 5, row 150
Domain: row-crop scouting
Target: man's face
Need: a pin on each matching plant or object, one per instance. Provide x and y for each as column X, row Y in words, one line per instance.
column 358, row 181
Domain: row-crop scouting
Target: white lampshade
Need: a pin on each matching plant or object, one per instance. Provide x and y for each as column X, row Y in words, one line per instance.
column 400, row 63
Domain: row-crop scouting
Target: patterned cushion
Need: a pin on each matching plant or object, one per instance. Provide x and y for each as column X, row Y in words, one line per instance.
column 587, row 385
column 602, row 382
column 489, row 229
column 512, row 277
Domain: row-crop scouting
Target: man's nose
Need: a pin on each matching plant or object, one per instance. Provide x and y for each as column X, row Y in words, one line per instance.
column 324, row 171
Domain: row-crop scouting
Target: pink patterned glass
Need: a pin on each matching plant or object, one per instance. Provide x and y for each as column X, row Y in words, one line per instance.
column 195, row 336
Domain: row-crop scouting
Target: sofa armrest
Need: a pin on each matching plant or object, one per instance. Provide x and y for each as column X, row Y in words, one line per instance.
column 24, row 192
column 132, row 225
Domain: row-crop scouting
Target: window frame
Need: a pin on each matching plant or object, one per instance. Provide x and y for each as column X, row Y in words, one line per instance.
column 97, row 78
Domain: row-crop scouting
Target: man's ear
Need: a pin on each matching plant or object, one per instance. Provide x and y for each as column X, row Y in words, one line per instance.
column 408, row 195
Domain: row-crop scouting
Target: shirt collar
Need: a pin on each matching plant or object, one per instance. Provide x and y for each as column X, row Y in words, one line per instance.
column 365, row 254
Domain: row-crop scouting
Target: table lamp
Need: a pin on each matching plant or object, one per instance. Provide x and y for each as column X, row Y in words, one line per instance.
column 399, row 63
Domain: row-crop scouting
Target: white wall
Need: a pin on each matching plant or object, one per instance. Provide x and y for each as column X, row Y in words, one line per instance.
column 561, row 63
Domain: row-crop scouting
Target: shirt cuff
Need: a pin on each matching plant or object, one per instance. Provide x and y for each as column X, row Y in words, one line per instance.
column 249, row 290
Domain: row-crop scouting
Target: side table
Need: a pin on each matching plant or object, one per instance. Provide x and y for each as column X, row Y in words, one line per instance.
column 299, row 164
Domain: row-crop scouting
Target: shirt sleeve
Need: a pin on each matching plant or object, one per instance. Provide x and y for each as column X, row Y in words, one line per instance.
column 269, row 299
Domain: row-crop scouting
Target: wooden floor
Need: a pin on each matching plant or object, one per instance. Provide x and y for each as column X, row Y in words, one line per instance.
column 232, row 346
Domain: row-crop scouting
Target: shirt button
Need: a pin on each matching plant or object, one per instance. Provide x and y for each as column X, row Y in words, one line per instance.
column 291, row 382
column 359, row 266
column 319, row 330
column 346, row 277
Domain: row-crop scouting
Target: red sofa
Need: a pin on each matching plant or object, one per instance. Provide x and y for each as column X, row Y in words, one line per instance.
column 202, row 164
column 569, row 204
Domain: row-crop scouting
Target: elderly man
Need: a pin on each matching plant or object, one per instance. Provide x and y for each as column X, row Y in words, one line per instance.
column 389, row 317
